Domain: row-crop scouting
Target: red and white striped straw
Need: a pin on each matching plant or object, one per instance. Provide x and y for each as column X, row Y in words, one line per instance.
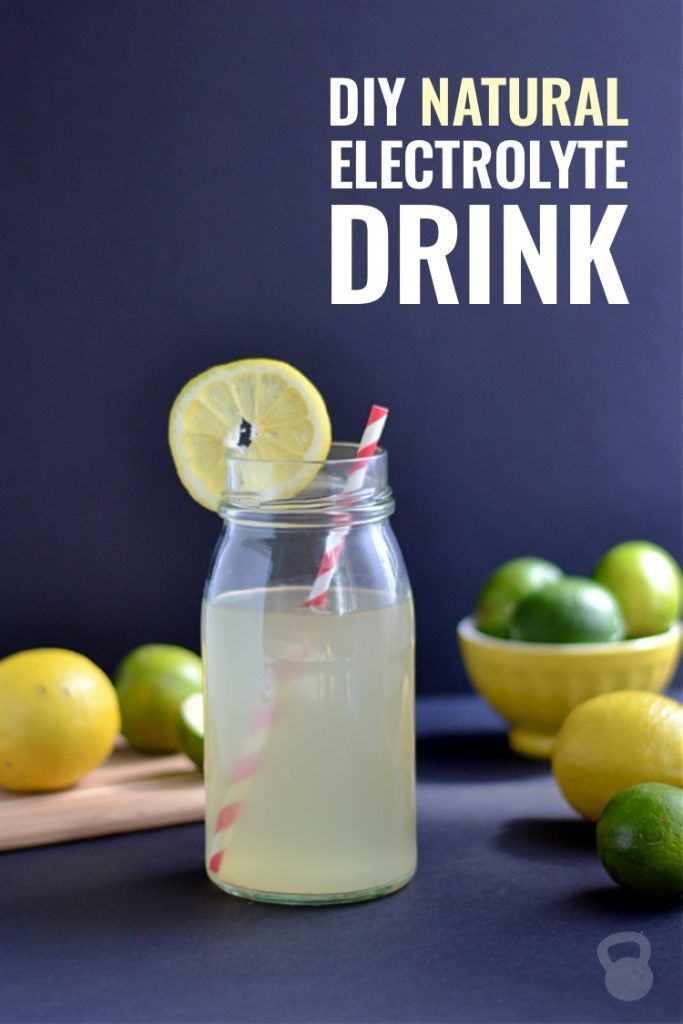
column 249, row 760
column 337, row 537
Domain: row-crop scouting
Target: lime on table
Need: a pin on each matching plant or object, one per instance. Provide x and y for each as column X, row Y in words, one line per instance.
column 614, row 741
column 505, row 587
column 58, row 718
column 152, row 682
column 262, row 411
column 191, row 728
column 570, row 611
column 640, row 839
column 646, row 581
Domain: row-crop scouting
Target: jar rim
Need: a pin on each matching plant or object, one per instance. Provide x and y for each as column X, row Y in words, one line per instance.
column 350, row 450
column 323, row 496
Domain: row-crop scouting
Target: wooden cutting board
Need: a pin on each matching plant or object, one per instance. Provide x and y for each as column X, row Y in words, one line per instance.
column 130, row 792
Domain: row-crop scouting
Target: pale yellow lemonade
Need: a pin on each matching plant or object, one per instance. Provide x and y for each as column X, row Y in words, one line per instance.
column 329, row 806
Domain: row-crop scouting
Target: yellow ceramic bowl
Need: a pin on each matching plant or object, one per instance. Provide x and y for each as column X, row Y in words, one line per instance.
column 535, row 686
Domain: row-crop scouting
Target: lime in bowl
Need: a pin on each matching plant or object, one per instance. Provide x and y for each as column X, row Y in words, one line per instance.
column 534, row 686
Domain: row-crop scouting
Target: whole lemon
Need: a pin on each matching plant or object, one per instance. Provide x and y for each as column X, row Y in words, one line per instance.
column 58, row 718
column 617, row 740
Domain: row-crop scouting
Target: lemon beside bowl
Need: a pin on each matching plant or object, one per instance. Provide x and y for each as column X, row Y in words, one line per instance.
column 534, row 686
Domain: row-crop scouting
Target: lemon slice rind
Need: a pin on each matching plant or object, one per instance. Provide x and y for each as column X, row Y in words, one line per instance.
column 261, row 410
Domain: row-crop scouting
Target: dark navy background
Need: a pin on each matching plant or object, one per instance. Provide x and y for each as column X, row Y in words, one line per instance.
column 165, row 206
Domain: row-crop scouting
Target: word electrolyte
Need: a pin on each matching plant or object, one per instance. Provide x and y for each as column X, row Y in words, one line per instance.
column 428, row 233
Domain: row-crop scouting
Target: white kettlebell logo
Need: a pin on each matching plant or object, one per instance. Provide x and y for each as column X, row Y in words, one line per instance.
column 629, row 977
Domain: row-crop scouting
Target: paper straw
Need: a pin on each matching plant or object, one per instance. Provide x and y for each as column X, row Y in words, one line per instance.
column 250, row 757
column 337, row 537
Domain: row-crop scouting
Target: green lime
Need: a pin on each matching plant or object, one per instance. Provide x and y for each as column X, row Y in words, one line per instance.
column 191, row 728
column 505, row 587
column 640, row 838
column 570, row 611
column 647, row 584
column 152, row 682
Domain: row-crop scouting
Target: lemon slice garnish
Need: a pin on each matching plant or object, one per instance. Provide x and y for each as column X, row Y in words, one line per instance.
column 261, row 410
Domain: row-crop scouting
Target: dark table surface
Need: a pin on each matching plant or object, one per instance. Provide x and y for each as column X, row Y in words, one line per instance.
column 501, row 922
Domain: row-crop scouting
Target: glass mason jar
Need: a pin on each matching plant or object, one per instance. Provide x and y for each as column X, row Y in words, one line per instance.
column 309, row 708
